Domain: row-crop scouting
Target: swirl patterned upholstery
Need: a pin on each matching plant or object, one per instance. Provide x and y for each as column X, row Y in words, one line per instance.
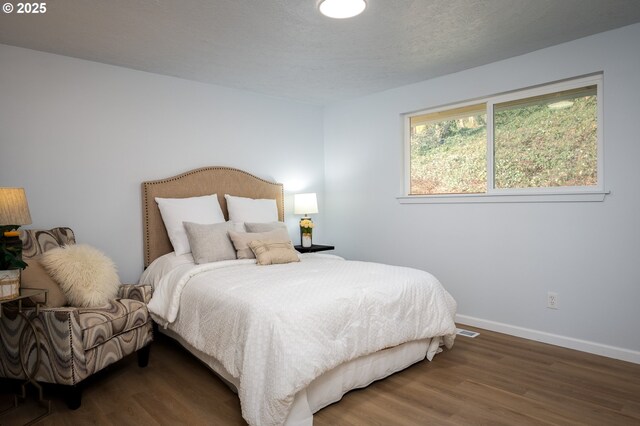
column 74, row 342
column 36, row 241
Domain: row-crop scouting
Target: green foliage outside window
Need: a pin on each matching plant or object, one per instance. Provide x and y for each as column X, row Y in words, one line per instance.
column 541, row 142
column 540, row 147
column 449, row 157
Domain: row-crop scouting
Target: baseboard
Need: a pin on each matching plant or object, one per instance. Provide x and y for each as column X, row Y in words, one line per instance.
column 553, row 339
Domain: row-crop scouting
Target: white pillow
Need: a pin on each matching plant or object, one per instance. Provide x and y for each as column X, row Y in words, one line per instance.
column 175, row 211
column 86, row 276
column 243, row 209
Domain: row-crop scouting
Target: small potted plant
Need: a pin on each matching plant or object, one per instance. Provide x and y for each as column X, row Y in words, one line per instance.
column 11, row 262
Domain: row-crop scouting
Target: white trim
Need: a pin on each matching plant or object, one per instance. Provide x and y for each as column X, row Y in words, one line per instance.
column 553, row 339
column 600, row 131
column 491, row 167
column 546, row 89
column 557, row 197
column 407, row 154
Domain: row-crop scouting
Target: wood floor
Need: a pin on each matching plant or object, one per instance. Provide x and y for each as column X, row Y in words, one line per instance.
column 492, row 379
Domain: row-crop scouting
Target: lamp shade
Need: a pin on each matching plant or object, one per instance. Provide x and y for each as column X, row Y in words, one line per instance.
column 305, row 203
column 14, row 209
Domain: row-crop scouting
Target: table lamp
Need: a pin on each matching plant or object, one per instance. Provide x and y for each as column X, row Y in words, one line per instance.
column 14, row 211
column 305, row 204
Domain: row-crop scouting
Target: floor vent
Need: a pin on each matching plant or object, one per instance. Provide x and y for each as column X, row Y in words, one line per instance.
column 467, row 333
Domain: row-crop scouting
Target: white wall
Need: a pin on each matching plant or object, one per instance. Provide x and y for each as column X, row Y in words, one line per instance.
column 499, row 260
column 81, row 136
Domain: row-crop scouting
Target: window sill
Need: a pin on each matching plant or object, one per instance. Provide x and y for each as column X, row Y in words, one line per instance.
column 558, row 197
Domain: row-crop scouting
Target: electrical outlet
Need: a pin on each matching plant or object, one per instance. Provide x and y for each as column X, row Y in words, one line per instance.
column 552, row 300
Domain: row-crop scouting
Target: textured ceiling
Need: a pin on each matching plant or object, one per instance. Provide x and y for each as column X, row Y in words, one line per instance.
column 285, row 48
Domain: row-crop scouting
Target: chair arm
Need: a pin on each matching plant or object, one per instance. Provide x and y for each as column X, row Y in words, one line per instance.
column 139, row 292
column 60, row 340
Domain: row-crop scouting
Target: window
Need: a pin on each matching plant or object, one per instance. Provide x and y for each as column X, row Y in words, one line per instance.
column 449, row 151
column 531, row 142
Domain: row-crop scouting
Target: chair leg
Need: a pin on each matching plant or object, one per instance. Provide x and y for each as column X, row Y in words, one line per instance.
column 143, row 356
column 73, row 396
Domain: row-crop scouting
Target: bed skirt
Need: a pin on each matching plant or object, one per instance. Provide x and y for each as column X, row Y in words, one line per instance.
column 332, row 385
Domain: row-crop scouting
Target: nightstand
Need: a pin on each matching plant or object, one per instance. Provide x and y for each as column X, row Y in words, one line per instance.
column 314, row 248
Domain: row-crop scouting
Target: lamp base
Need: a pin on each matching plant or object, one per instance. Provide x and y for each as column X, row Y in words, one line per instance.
column 306, row 231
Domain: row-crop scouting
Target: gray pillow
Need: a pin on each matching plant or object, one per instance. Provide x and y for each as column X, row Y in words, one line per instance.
column 264, row 227
column 210, row 242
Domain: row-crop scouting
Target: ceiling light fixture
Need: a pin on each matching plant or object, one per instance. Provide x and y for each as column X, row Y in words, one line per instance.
column 341, row 9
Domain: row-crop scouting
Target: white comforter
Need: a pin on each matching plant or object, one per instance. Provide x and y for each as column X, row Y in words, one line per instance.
column 275, row 328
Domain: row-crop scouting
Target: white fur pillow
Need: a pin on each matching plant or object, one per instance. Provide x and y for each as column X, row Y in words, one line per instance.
column 85, row 274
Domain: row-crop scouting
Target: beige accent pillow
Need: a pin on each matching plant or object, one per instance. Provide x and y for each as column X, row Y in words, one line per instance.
column 35, row 276
column 241, row 240
column 273, row 253
column 86, row 275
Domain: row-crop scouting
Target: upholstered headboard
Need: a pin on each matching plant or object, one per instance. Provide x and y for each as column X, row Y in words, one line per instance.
column 204, row 181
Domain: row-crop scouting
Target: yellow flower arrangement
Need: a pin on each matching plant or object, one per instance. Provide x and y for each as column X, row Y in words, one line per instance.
column 306, row 226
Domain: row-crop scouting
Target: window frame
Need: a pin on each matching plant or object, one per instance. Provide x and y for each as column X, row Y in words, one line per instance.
column 493, row 194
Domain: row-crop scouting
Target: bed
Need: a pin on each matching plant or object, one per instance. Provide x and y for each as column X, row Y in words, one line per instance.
column 289, row 338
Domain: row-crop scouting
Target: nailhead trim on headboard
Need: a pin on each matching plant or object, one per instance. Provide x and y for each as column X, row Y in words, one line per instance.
column 242, row 184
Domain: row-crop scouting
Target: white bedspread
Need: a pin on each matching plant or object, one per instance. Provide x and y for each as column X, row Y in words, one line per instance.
column 275, row 328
